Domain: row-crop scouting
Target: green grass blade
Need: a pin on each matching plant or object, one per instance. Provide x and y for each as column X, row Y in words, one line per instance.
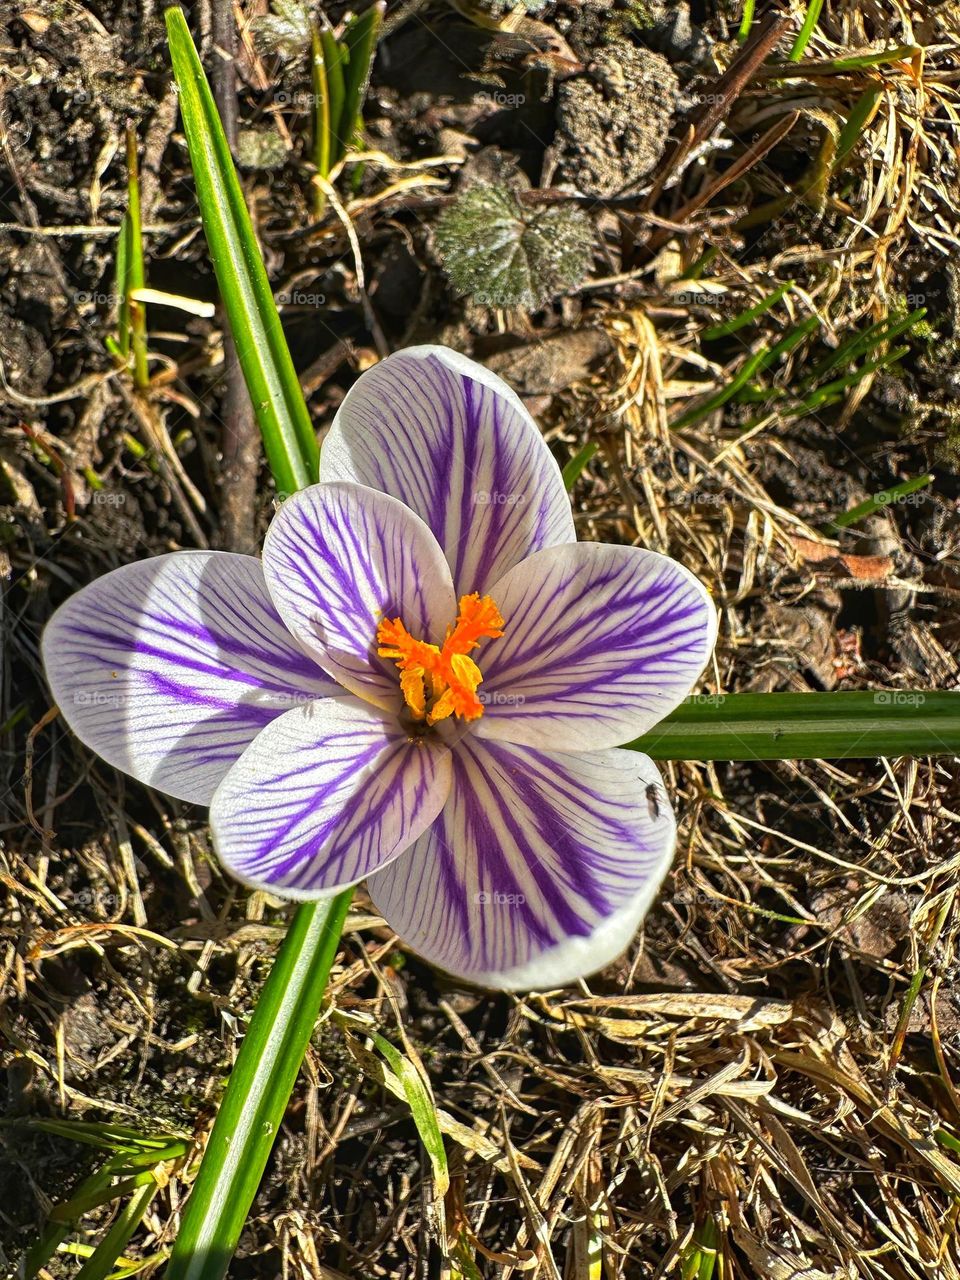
column 54, row 1233
column 321, row 115
column 746, row 22
column 360, row 42
column 288, row 434
column 861, row 111
column 832, row 391
column 806, row 31
column 860, row 344
column 807, row 726
column 257, row 1094
column 101, row 1262
column 719, row 398
column 123, row 287
column 333, row 60
column 89, row 1198
column 747, row 317
column 574, row 468
column 406, row 1079
column 135, row 271
column 838, row 66
column 877, row 500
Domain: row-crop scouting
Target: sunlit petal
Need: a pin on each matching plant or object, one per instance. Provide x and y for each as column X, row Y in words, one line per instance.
column 453, row 442
column 538, row 871
column 170, row 667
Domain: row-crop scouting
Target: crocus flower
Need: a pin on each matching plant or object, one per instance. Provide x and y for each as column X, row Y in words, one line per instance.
column 424, row 684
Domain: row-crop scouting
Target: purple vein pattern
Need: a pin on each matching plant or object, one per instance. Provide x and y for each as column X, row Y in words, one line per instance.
column 327, row 794
column 455, row 444
column 337, row 559
column 534, row 854
column 170, row 667
column 601, row 643
column 518, row 850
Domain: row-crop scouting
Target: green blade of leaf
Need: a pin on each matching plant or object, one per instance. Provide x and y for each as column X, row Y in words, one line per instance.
column 101, row 1262
column 747, row 317
column 135, row 272
column 54, row 1233
column 403, row 1079
column 807, row 726
column 746, row 21
column 123, row 289
column 806, row 31
column 860, row 113
column 333, row 59
column 574, row 468
column 257, row 1094
column 288, row 434
column 321, row 111
column 720, row 398
column 895, row 493
column 360, row 42
column 88, row 1198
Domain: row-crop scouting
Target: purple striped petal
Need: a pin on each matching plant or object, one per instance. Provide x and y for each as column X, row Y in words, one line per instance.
column 325, row 795
column 538, row 871
column 453, row 442
column 600, row 643
column 170, row 667
column 340, row 557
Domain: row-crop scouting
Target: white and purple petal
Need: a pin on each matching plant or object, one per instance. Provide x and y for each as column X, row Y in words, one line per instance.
column 539, row 869
column 338, row 558
column 170, row 667
column 454, row 443
column 600, row 643
column 326, row 795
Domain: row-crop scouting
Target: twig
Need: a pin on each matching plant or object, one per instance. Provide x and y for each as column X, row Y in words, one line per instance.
column 240, row 442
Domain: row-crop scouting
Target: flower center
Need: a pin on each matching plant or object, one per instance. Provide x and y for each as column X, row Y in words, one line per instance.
column 441, row 681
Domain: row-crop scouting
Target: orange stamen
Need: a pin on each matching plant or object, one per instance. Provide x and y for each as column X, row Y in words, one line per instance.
column 448, row 674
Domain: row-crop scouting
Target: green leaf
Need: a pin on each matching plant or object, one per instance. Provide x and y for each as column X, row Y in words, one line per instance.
column 101, row 1262
column 574, row 468
column 407, row 1079
column 896, row 493
column 506, row 254
column 807, row 726
column 257, row 1094
column 360, row 43
column 333, row 59
column 288, row 434
column 135, row 272
column 810, row 21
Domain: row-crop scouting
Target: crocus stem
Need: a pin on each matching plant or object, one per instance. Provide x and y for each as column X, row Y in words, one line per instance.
column 257, row 1093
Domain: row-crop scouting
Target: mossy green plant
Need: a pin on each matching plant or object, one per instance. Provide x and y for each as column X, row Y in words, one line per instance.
column 504, row 253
